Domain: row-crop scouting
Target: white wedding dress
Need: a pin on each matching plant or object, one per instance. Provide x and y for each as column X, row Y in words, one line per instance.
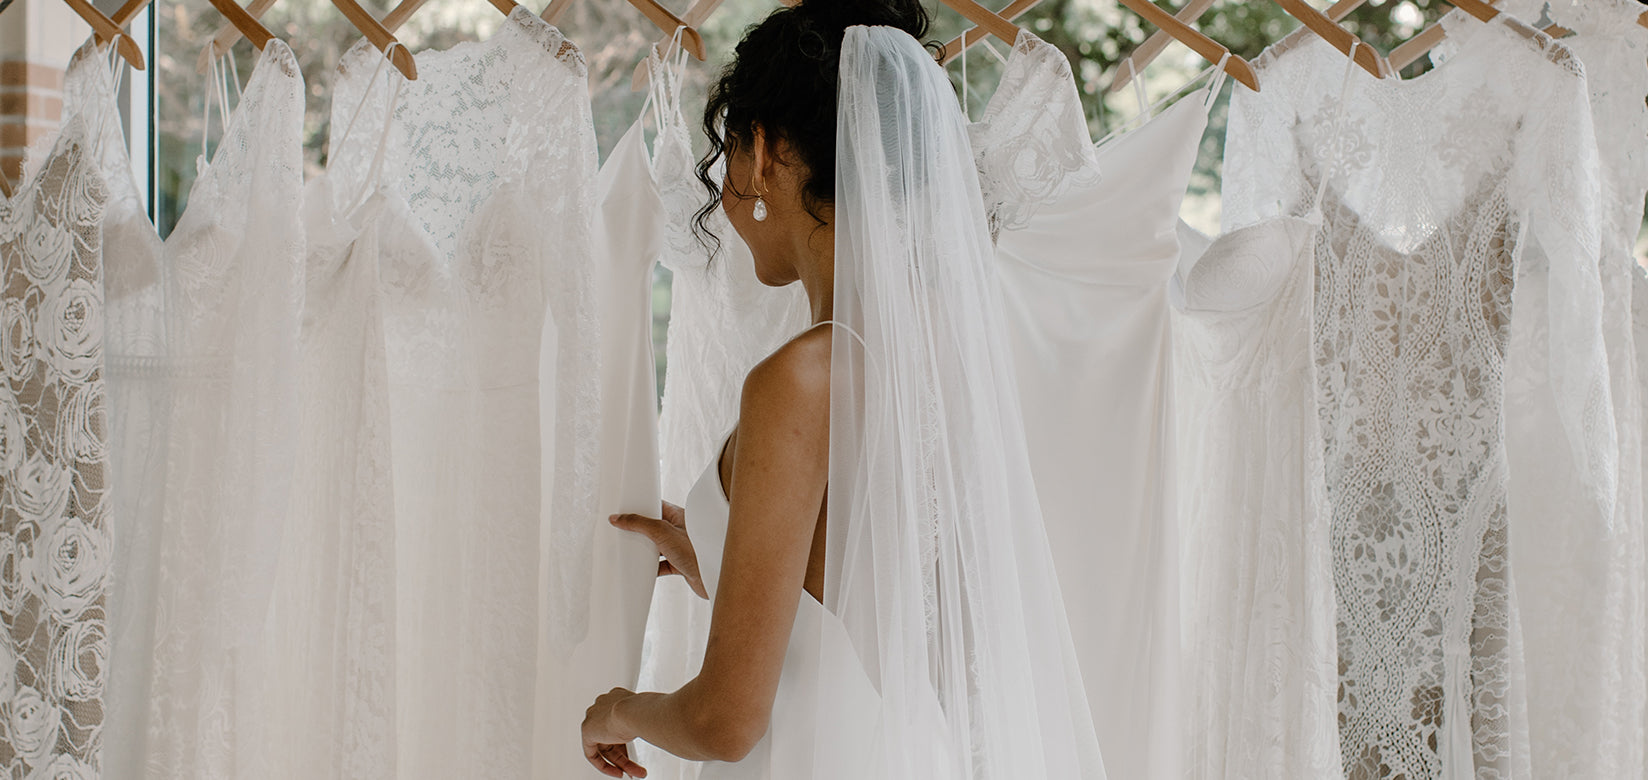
column 1440, row 199
column 823, row 717
column 620, row 568
column 1580, row 579
column 54, row 477
column 329, row 660
column 203, row 333
column 1084, row 267
column 493, row 149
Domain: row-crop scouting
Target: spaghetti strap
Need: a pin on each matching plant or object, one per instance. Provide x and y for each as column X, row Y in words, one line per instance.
column 844, row 326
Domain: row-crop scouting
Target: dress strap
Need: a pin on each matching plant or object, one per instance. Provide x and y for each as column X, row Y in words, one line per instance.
column 1340, row 127
column 842, row 325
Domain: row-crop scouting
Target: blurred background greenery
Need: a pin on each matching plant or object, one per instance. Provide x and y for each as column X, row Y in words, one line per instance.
column 1094, row 34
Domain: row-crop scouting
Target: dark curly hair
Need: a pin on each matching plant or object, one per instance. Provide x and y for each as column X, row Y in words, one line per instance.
column 783, row 77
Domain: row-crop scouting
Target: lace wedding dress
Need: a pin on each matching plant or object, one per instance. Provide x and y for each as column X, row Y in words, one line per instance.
column 1579, row 576
column 330, row 657
column 493, row 149
column 722, row 322
column 1443, row 194
column 54, row 477
column 1261, row 662
column 1092, row 350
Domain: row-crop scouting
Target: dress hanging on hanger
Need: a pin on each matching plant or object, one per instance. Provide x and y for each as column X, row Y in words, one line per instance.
column 330, row 659
column 134, row 345
column 54, row 507
column 1440, row 202
column 231, row 287
column 605, row 590
column 494, row 380
column 1084, row 265
column 1581, row 582
column 1260, row 656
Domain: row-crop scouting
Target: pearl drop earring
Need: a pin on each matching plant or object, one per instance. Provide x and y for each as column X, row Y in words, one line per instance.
column 760, row 211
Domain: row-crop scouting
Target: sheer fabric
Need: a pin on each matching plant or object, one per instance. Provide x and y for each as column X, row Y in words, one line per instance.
column 937, row 561
column 232, row 281
column 621, row 569
column 54, row 507
column 493, row 148
column 1415, row 267
column 1580, row 577
column 137, row 403
column 723, row 321
column 1261, row 666
column 330, row 657
column 1091, row 346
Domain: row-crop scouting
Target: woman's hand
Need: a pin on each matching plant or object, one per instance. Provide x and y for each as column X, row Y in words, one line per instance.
column 606, row 746
column 669, row 535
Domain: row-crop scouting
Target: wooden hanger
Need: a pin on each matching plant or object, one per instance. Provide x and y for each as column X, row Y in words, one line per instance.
column 227, row 35
column 108, row 32
column 961, row 43
column 399, row 56
column 985, row 19
column 399, row 14
column 697, row 14
column 243, row 22
column 655, row 13
column 1207, row 48
column 1341, row 38
column 1157, row 42
column 1419, row 45
column 1154, row 45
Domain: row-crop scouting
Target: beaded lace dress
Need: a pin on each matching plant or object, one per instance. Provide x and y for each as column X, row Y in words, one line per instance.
column 494, row 463
column 1445, row 193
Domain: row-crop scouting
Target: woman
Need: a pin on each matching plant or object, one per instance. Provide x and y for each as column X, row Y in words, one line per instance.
column 883, row 597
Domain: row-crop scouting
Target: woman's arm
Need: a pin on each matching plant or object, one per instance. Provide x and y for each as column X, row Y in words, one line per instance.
column 779, row 472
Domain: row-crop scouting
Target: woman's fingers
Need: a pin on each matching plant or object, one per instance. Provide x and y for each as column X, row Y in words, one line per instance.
column 596, row 758
column 618, row 756
column 650, row 527
column 674, row 515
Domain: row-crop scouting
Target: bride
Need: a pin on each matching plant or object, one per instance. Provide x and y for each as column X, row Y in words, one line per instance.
column 884, row 604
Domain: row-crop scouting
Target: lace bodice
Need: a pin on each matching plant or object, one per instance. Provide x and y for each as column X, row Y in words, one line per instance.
column 494, row 357
column 1426, row 225
column 1032, row 137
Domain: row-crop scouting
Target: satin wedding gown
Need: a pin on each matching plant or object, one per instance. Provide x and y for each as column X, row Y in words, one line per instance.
column 1418, row 359
column 1084, row 266
column 823, row 717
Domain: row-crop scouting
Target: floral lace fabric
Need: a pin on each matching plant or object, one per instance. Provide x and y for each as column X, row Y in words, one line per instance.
column 1444, row 194
column 1032, row 142
column 54, row 507
column 493, row 374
